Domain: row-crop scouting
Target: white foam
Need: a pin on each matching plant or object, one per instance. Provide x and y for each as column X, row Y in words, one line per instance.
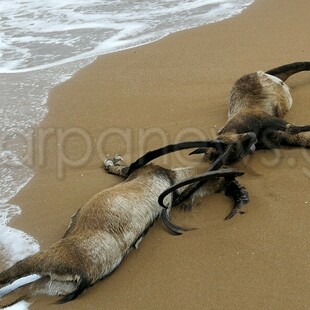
column 15, row 243
column 43, row 43
column 49, row 33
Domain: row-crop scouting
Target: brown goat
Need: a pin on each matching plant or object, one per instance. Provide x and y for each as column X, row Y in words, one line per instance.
column 257, row 103
column 106, row 228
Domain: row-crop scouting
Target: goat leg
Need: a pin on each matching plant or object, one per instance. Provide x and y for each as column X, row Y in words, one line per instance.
column 239, row 195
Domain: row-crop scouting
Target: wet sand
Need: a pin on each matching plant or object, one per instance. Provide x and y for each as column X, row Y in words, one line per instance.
column 171, row 90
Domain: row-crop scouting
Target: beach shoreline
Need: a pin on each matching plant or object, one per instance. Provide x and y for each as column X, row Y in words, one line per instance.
column 171, row 90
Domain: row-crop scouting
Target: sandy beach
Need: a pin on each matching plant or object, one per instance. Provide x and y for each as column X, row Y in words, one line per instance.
column 171, row 90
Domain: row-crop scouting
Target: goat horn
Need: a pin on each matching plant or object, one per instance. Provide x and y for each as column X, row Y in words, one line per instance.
column 220, row 161
column 149, row 156
column 200, row 178
column 174, row 229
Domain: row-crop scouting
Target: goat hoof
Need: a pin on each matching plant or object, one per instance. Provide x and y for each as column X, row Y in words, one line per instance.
column 108, row 163
column 117, row 158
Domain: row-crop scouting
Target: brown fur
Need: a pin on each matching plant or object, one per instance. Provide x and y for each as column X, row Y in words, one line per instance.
column 257, row 104
column 102, row 232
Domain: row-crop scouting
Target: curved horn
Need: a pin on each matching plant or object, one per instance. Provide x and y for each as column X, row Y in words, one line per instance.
column 220, row 161
column 173, row 229
column 149, row 156
column 198, row 151
column 200, row 178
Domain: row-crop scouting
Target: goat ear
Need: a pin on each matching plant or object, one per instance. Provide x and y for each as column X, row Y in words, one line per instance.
column 249, row 138
column 251, row 135
column 173, row 148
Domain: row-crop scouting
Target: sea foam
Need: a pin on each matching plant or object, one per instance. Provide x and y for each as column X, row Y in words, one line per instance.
column 43, row 43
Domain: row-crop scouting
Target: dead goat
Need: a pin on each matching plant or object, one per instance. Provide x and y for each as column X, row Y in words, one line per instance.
column 257, row 104
column 107, row 227
column 235, row 189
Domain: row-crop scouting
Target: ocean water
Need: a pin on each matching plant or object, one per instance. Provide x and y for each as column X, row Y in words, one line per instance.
column 43, row 43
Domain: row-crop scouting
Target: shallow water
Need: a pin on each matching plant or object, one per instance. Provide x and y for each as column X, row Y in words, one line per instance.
column 43, row 43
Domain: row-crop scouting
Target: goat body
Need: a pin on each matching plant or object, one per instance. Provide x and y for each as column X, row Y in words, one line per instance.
column 257, row 104
column 104, row 230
